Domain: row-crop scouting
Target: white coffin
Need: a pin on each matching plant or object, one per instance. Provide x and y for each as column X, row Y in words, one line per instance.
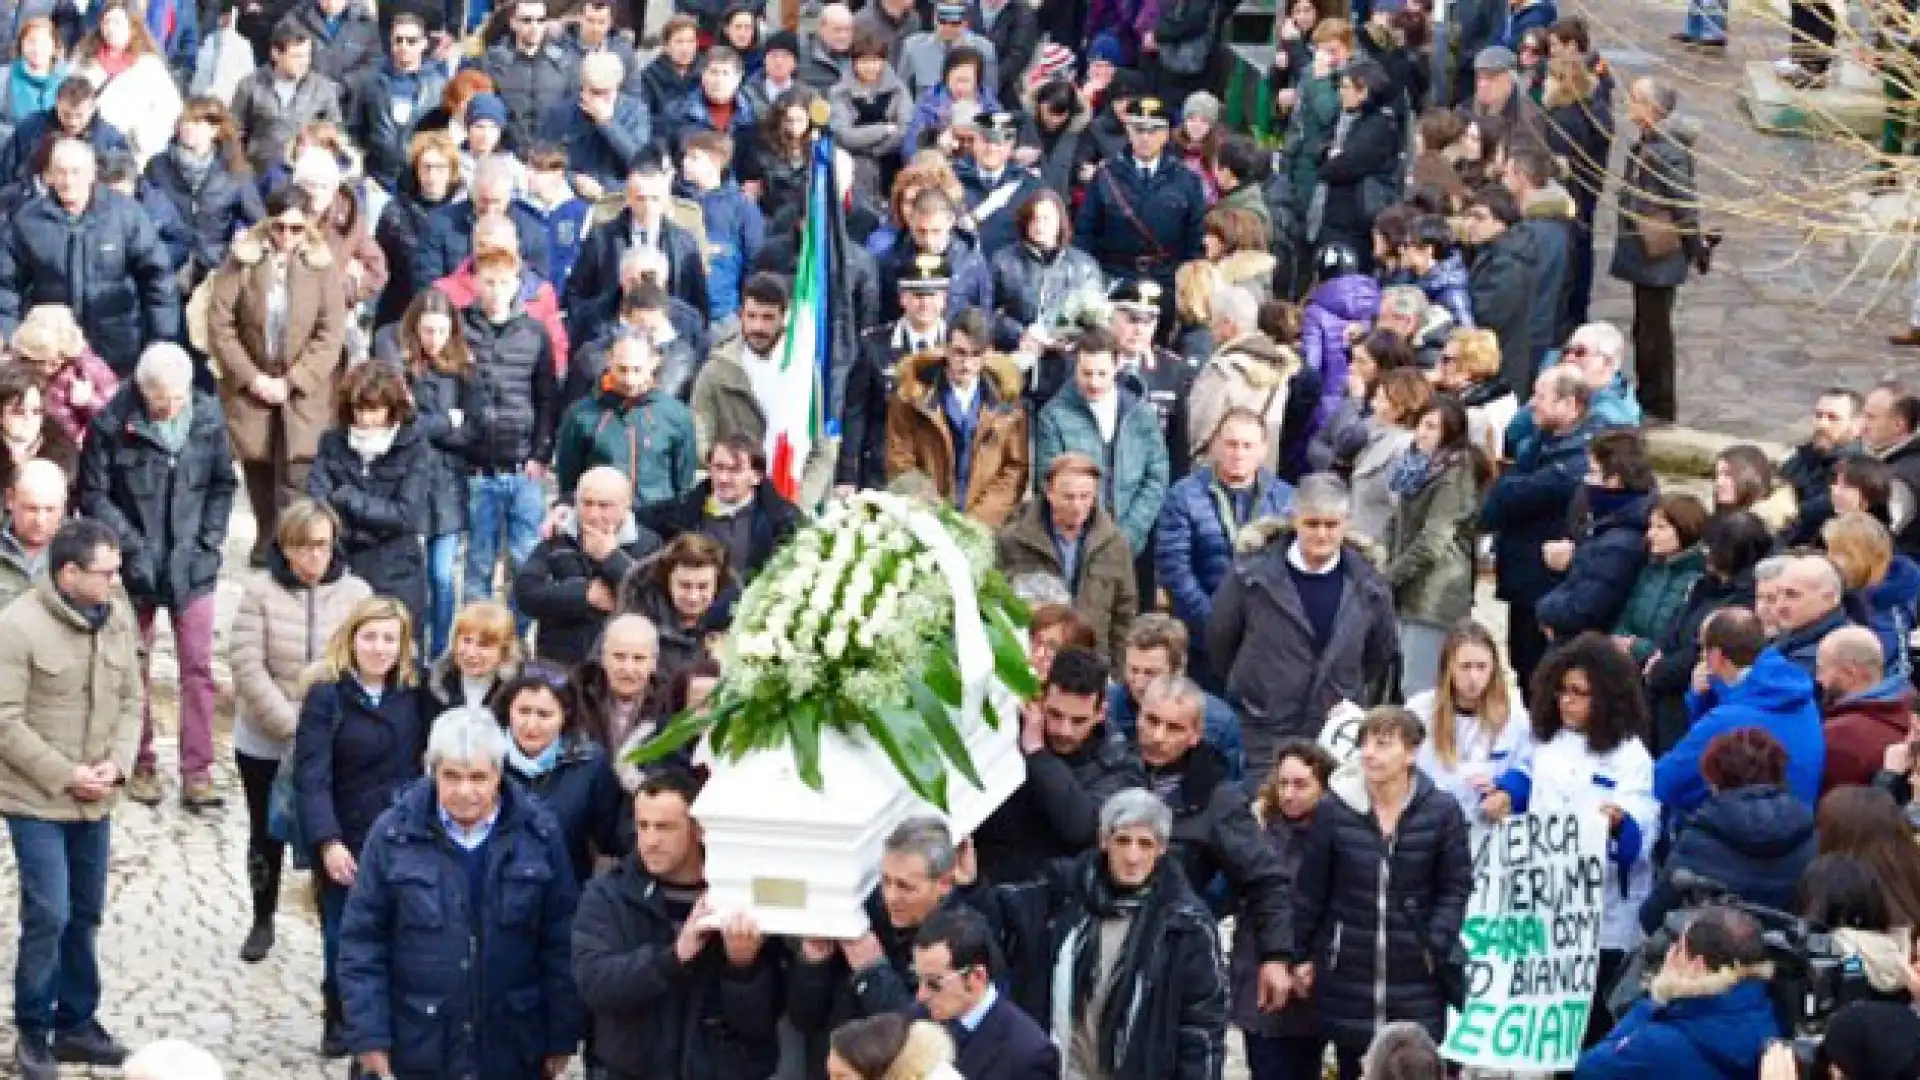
column 802, row 862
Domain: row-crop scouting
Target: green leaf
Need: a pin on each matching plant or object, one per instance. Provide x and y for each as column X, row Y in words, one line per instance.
column 903, row 735
column 943, row 675
column 803, row 728
column 945, row 735
column 1009, row 659
column 678, row 733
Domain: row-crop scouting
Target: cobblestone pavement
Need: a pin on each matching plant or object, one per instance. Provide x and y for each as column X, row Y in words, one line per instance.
column 1781, row 315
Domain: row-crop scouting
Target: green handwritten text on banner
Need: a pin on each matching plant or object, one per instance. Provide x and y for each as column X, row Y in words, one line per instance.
column 1532, row 942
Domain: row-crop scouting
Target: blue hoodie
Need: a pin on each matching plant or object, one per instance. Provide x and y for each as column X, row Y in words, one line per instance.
column 1775, row 695
column 1890, row 613
column 1708, row 1036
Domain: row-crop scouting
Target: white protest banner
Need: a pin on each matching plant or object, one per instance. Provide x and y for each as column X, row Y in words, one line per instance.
column 1532, row 938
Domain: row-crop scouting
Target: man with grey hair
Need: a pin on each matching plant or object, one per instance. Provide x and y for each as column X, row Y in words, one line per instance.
column 1766, row 591
column 1247, row 369
column 1806, row 606
column 838, row 981
column 1659, row 236
column 158, row 470
column 1301, row 623
column 571, row 581
column 1528, row 506
column 488, row 862
column 172, row 1059
column 448, row 237
column 1864, row 711
column 123, row 292
column 1214, row 831
column 1403, row 1050
column 1123, row 919
column 1406, row 312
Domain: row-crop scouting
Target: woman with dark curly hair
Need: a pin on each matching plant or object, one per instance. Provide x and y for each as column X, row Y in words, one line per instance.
column 1588, row 716
column 1750, row 836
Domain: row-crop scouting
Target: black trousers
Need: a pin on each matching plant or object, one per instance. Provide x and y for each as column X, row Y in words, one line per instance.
column 1653, row 350
column 264, row 854
column 1527, row 644
column 1814, row 26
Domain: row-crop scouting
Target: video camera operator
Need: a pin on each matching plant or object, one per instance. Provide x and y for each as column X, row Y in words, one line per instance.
column 1843, row 894
column 1708, row 1014
column 1870, row 1040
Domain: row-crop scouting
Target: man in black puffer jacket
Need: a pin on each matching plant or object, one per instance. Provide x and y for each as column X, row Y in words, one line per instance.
column 95, row 251
column 1171, row 1023
column 512, row 438
column 571, row 582
column 1359, row 970
column 670, row 1000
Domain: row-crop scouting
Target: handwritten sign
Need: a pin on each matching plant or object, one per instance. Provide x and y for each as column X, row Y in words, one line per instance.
column 1532, row 938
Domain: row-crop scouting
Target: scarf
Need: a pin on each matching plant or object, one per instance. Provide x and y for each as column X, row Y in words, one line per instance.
column 1415, row 469
column 533, row 768
column 194, row 167
column 95, row 614
column 28, row 93
column 1104, row 900
column 173, row 433
column 371, row 443
column 714, row 508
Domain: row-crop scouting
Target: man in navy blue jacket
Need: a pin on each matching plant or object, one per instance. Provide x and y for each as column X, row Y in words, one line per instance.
column 993, row 1039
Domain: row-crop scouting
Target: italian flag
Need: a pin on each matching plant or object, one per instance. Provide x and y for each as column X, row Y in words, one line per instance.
column 796, row 417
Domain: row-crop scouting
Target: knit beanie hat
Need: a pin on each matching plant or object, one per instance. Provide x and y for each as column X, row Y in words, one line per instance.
column 487, row 107
column 785, row 41
column 1106, row 47
column 1201, row 104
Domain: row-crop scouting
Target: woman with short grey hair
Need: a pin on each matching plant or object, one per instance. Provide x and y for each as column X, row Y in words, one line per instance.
column 1135, row 807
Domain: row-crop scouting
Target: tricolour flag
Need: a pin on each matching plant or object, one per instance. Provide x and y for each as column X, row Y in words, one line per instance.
column 798, row 417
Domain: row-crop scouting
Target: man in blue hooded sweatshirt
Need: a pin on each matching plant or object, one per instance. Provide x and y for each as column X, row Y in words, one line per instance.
column 1707, row 1015
column 1747, row 685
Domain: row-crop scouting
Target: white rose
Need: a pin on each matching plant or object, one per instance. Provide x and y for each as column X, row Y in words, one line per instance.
column 836, row 644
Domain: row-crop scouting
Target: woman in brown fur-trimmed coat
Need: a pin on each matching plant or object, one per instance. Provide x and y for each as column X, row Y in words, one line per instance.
column 276, row 323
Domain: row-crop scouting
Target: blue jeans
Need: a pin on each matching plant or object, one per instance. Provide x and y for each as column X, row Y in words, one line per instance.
column 63, row 894
column 1707, row 20
column 510, row 504
column 441, row 551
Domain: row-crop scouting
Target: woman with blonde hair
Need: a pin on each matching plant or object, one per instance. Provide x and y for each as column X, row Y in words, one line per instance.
column 485, row 655
column 1477, row 726
column 1235, row 241
column 434, row 178
column 1193, row 287
column 1886, row 582
column 1577, row 137
column 362, row 730
column 75, row 384
column 1469, row 369
column 34, row 77
column 138, row 96
column 288, row 611
column 890, row 1046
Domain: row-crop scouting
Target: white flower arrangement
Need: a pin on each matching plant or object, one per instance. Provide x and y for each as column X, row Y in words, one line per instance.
column 1084, row 307
column 852, row 627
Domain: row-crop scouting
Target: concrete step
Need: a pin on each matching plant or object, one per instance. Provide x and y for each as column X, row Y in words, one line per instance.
column 1853, row 103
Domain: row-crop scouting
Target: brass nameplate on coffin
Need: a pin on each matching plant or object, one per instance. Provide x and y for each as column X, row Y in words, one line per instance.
column 779, row 893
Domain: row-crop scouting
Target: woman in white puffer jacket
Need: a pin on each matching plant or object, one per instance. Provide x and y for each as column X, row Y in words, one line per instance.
column 1476, row 721
column 137, row 93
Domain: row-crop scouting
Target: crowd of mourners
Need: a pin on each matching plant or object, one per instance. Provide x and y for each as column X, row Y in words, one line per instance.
column 483, row 313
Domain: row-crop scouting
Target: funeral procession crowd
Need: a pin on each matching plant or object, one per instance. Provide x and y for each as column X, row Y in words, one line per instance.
column 482, row 305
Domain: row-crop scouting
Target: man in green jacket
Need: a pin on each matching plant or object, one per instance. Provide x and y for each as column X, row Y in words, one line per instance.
column 631, row 426
column 1114, row 427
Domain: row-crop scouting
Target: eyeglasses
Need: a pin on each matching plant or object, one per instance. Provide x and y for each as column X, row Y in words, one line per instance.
column 933, row 984
column 402, row 42
column 1577, row 350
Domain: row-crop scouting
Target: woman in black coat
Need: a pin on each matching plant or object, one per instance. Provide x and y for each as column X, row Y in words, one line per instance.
column 375, row 471
column 204, row 176
column 1361, row 160
column 1735, row 544
column 1609, row 545
column 431, row 181
column 687, row 592
column 432, row 351
column 567, row 771
column 362, row 731
column 1385, row 840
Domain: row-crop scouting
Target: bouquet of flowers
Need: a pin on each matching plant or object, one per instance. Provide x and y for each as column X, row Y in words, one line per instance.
column 1080, row 309
column 857, row 626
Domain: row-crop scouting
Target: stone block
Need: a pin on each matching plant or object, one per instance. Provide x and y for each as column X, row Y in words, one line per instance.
column 1853, row 104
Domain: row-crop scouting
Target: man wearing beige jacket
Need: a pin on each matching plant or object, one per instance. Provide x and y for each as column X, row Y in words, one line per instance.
column 69, row 728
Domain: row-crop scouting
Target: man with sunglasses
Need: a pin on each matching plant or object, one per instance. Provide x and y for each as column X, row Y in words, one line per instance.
column 386, row 102
column 532, row 73
column 992, row 1038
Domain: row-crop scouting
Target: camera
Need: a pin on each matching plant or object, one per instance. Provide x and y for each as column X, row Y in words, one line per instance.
column 1812, row 976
